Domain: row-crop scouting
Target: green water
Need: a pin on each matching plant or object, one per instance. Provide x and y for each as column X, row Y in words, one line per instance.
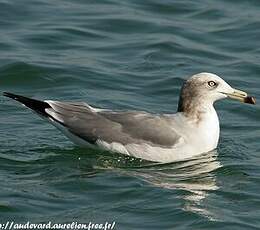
column 127, row 55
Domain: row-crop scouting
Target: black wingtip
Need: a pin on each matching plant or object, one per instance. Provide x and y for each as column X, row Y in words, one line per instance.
column 11, row 95
column 36, row 105
column 16, row 97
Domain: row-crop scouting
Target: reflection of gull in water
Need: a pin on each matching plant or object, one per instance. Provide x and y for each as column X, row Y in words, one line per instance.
column 195, row 176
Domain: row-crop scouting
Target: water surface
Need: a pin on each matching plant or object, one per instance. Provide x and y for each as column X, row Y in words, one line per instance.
column 127, row 55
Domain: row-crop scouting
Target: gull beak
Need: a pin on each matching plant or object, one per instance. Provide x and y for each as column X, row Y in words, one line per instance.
column 241, row 96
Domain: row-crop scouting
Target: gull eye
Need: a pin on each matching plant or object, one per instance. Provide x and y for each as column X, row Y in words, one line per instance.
column 212, row 83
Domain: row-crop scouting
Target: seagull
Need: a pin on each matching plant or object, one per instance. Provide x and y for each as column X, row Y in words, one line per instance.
column 164, row 138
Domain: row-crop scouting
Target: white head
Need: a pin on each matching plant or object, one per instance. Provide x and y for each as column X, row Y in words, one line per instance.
column 204, row 89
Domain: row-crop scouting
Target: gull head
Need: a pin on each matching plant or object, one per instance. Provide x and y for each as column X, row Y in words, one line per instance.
column 203, row 89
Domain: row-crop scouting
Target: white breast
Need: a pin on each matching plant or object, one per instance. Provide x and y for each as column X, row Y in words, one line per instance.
column 208, row 131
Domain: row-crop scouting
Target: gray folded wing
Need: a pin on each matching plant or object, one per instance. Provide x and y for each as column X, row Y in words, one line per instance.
column 122, row 127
